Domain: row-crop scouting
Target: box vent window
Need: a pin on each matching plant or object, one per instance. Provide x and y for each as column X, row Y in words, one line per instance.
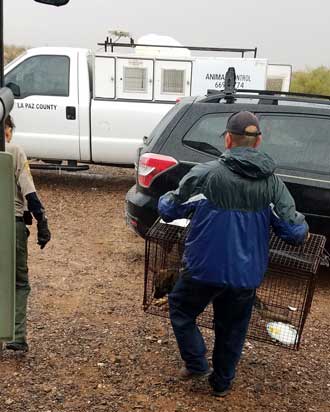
column 135, row 79
column 274, row 84
column 173, row 81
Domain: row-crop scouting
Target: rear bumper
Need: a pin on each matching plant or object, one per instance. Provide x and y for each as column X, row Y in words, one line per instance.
column 140, row 211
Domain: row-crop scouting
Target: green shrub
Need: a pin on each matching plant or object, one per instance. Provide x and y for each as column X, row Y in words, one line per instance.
column 315, row 81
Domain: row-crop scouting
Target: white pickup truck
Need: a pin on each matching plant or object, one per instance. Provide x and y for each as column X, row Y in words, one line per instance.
column 73, row 105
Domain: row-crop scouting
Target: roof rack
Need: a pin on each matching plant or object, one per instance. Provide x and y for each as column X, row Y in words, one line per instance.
column 267, row 96
column 108, row 43
column 277, row 92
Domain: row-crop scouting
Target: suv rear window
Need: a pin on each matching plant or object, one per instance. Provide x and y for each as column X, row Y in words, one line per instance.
column 207, row 131
column 161, row 126
column 297, row 142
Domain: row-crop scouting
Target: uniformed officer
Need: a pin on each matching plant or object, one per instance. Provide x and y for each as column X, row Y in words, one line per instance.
column 27, row 204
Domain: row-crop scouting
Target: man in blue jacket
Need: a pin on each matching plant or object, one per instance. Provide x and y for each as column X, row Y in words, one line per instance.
column 233, row 202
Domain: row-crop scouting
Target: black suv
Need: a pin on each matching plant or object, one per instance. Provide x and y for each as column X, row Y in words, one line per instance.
column 296, row 133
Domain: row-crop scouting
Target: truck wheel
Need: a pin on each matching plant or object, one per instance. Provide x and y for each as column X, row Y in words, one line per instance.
column 72, row 163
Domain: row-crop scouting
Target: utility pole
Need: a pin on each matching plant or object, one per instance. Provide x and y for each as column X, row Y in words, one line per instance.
column 2, row 130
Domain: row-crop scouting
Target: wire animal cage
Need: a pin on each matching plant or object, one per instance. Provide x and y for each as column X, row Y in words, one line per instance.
column 282, row 301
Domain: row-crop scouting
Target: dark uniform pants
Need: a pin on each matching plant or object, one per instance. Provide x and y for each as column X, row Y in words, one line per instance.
column 232, row 312
column 22, row 281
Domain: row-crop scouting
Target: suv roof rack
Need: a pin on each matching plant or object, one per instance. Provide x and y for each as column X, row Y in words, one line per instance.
column 267, row 96
column 131, row 44
column 277, row 92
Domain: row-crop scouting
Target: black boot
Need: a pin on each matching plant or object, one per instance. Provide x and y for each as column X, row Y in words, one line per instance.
column 17, row 346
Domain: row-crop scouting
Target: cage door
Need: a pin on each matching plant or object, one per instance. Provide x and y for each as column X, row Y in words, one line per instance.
column 135, row 79
column 104, row 77
column 172, row 79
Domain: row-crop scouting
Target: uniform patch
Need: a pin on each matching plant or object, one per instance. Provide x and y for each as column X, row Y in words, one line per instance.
column 26, row 167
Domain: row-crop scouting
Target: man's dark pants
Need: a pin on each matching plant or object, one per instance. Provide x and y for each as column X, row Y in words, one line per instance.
column 22, row 281
column 232, row 312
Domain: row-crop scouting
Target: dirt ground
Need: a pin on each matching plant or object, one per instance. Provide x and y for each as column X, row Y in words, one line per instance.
column 92, row 348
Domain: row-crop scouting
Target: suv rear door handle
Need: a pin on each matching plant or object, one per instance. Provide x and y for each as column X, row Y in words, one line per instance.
column 71, row 113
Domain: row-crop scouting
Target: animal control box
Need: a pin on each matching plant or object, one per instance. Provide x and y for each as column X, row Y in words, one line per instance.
column 209, row 73
column 141, row 78
column 282, row 301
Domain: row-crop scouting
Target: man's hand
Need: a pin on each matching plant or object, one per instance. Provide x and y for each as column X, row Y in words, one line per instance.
column 43, row 233
column 27, row 217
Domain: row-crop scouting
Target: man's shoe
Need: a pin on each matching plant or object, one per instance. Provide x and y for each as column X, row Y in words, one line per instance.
column 221, row 393
column 185, row 374
column 17, row 346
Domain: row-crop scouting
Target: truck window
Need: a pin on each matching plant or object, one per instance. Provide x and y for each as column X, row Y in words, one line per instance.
column 206, row 132
column 173, row 81
column 297, row 142
column 41, row 75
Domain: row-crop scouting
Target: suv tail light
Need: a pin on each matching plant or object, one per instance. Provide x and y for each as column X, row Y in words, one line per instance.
column 151, row 165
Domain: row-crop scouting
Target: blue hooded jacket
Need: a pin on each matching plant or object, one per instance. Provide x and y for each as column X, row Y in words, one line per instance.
column 233, row 201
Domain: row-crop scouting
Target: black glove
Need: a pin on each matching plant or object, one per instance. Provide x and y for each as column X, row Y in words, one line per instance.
column 27, row 217
column 43, row 233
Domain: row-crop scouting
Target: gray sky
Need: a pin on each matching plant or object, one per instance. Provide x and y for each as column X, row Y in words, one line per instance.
column 296, row 32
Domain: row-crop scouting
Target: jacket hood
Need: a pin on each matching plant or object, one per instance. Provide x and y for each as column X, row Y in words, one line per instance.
column 248, row 162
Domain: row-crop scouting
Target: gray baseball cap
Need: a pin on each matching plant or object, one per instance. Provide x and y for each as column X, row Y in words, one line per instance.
column 238, row 122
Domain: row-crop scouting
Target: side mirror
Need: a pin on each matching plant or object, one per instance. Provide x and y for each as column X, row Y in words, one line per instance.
column 57, row 3
column 14, row 88
column 6, row 102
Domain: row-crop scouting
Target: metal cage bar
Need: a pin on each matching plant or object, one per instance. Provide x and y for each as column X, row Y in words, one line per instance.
column 283, row 300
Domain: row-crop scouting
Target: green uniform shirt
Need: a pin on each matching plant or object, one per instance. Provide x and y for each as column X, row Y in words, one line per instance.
column 23, row 177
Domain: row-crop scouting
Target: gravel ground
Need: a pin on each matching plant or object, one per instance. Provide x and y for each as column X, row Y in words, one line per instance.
column 92, row 348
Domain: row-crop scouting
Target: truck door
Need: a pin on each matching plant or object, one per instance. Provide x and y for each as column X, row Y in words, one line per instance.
column 46, row 105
